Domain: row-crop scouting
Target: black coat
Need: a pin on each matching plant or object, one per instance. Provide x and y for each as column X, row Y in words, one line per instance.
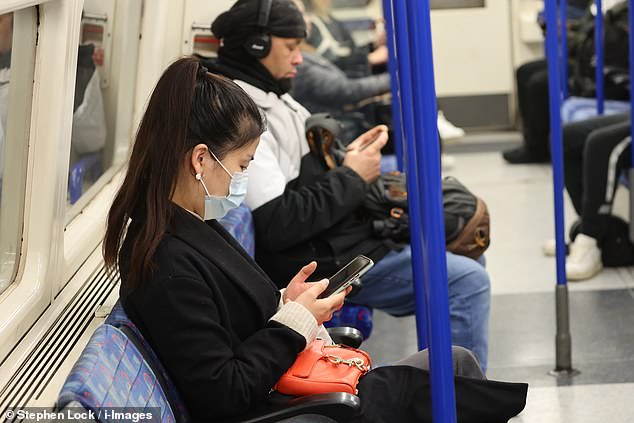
column 206, row 310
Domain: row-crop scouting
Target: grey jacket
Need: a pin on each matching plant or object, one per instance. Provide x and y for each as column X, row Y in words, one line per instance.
column 320, row 86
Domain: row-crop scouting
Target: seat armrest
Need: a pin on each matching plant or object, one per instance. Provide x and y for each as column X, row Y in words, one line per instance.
column 351, row 337
column 339, row 406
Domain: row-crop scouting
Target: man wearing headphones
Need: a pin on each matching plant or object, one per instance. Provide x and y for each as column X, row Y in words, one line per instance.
column 302, row 210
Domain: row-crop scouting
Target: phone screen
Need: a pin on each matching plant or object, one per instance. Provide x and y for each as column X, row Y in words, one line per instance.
column 347, row 275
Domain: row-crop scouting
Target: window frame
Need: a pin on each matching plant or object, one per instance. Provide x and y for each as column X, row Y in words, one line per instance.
column 41, row 251
column 85, row 220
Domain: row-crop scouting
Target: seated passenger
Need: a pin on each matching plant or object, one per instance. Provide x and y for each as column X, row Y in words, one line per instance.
column 89, row 116
column 323, row 86
column 218, row 324
column 596, row 151
column 332, row 40
column 303, row 211
column 532, row 77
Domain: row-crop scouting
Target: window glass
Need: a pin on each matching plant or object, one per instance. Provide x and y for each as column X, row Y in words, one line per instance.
column 344, row 4
column 17, row 58
column 90, row 131
column 456, row 4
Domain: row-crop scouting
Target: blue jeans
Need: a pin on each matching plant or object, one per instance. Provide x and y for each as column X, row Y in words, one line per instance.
column 388, row 286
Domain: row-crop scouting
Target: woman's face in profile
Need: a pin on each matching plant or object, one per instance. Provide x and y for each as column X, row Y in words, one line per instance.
column 235, row 161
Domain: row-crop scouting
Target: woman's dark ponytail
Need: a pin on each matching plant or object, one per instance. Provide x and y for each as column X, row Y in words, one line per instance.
column 188, row 106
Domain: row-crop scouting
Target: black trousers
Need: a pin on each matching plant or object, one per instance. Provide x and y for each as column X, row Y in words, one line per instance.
column 596, row 151
column 532, row 94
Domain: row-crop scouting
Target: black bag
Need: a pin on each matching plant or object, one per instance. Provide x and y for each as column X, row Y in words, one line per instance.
column 616, row 248
column 467, row 222
column 467, row 230
column 616, row 51
column 322, row 133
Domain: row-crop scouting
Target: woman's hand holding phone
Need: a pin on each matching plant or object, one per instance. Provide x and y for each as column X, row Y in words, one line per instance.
column 298, row 284
column 306, row 293
column 321, row 309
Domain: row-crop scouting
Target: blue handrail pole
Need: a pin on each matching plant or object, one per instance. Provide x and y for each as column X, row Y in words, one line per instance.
column 598, row 43
column 397, row 117
column 434, row 246
column 406, row 98
column 562, row 338
column 631, row 172
column 563, row 14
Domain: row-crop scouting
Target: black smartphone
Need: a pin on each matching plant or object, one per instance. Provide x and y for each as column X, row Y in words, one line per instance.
column 346, row 275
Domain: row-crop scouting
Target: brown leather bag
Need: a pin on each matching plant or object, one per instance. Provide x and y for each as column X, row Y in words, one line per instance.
column 475, row 237
column 322, row 368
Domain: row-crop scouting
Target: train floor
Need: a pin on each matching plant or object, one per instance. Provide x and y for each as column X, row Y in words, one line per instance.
column 522, row 328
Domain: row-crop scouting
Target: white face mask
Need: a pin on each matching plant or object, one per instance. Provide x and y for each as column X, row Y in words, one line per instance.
column 217, row 207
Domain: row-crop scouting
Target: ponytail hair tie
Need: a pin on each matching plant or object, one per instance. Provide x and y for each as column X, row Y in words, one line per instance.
column 202, row 70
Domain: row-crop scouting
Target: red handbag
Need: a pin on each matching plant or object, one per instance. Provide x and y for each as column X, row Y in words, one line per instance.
column 324, row 368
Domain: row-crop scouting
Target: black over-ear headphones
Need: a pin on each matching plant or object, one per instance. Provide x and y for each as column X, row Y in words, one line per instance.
column 259, row 44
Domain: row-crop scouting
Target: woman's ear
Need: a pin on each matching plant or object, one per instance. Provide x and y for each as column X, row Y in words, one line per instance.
column 198, row 157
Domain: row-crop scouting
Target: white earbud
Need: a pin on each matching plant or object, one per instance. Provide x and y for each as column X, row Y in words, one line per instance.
column 198, row 176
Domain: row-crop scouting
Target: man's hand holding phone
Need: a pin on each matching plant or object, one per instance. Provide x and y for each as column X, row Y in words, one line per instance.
column 364, row 154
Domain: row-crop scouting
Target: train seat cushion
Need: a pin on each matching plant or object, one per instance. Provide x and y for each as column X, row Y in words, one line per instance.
column 575, row 109
column 118, row 318
column 111, row 372
column 388, row 163
column 239, row 223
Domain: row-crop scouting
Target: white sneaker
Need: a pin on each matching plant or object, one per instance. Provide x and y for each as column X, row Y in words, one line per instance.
column 447, row 162
column 584, row 260
column 446, row 129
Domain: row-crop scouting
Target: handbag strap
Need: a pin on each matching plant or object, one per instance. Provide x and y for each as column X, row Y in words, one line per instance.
column 356, row 361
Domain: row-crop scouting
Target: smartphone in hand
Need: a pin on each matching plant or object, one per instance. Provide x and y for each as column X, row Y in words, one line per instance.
column 346, row 275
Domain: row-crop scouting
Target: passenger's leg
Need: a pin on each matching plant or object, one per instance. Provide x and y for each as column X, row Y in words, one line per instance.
column 522, row 76
column 605, row 157
column 465, row 362
column 606, row 154
column 388, row 287
column 532, row 92
column 469, row 305
column 537, row 125
column 574, row 139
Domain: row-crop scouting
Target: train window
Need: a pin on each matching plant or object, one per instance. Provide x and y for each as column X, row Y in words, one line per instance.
column 17, row 64
column 101, row 126
column 344, row 4
column 456, row 4
column 90, row 132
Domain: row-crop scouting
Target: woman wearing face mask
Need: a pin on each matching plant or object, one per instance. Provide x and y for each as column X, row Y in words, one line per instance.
column 217, row 323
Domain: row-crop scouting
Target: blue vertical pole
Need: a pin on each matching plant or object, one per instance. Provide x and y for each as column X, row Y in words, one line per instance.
column 562, row 338
column 631, row 173
column 407, row 115
column 434, row 255
column 554, row 84
column 563, row 12
column 397, row 124
column 598, row 42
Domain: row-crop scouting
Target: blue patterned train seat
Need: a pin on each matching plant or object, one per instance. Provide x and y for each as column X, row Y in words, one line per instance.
column 389, row 163
column 239, row 223
column 119, row 319
column 575, row 109
column 111, row 372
